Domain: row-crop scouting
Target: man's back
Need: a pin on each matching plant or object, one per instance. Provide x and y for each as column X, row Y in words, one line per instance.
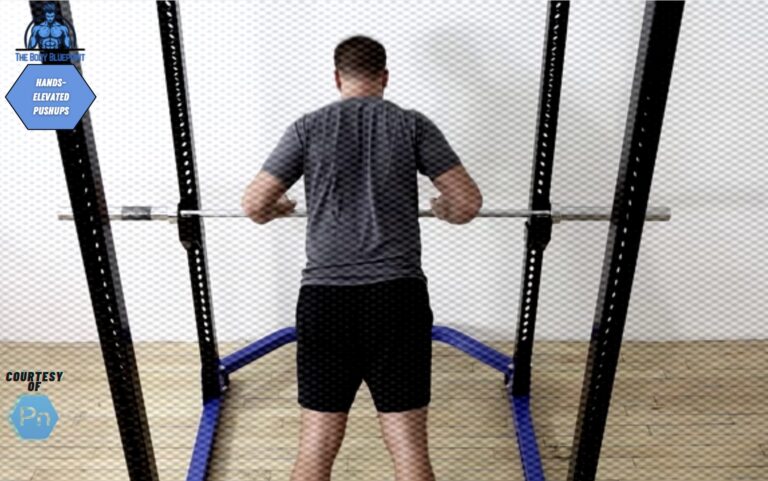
column 360, row 157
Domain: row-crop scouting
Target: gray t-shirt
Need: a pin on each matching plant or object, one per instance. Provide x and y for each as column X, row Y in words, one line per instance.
column 359, row 157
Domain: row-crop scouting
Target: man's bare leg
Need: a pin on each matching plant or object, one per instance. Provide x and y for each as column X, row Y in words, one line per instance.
column 321, row 437
column 405, row 435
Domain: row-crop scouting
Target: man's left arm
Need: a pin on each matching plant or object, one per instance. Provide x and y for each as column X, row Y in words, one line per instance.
column 264, row 199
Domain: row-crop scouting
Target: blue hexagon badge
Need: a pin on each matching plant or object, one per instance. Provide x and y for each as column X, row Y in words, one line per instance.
column 50, row 97
column 34, row 417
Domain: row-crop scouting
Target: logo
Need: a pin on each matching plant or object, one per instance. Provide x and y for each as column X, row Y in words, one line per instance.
column 50, row 37
column 54, row 95
column 50, row 32
column 34, row 417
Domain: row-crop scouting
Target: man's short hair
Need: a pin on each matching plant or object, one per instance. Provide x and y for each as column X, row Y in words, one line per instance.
column 49, row 7
column 360, row 56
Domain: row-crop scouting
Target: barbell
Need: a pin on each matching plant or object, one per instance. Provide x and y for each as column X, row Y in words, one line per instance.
column 557, row 213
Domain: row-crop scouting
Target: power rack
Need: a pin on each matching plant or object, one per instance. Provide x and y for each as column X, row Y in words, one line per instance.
column 653, row 71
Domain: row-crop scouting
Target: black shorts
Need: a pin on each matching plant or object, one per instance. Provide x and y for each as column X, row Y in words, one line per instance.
column 380, row 333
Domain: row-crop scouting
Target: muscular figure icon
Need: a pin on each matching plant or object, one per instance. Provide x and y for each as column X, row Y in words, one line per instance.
column 50, row 34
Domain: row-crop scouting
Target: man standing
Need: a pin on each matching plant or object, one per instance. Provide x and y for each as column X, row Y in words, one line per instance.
column 363, row 312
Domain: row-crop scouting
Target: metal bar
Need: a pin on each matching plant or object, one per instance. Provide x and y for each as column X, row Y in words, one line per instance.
column 653, row 72
column 527, row 444
column 206, row 435
column 260, row 348
column 538, row 228
column 303, row 213
column 558, row 214
column 460, row 341
column 191, row 230
column 473, row 348
column 89, row 206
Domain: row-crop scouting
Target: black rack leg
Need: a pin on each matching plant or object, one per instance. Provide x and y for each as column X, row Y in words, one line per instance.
column 653, row 72
column 89, row 208
column 539, row 228
column 191, row 229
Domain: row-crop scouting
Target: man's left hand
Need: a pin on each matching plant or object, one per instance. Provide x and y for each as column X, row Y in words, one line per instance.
column 284, row 206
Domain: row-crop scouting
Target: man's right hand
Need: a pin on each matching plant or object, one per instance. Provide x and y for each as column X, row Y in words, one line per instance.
column 445, row 210
column 460, row 199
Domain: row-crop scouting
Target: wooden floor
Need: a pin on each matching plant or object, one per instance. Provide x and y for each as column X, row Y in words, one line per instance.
column 680, row 411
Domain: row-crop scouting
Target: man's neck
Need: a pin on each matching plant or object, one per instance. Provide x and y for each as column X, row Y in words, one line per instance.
column 361, row 94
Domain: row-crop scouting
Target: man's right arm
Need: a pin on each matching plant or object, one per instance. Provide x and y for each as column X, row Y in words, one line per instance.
column 460, row 199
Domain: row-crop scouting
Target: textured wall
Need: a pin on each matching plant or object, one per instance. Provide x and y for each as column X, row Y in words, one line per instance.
column 253, row 67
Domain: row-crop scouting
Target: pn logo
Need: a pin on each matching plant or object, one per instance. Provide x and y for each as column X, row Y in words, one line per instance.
column 33, row 417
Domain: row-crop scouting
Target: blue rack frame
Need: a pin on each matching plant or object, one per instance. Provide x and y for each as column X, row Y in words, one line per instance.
column 519, row 405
